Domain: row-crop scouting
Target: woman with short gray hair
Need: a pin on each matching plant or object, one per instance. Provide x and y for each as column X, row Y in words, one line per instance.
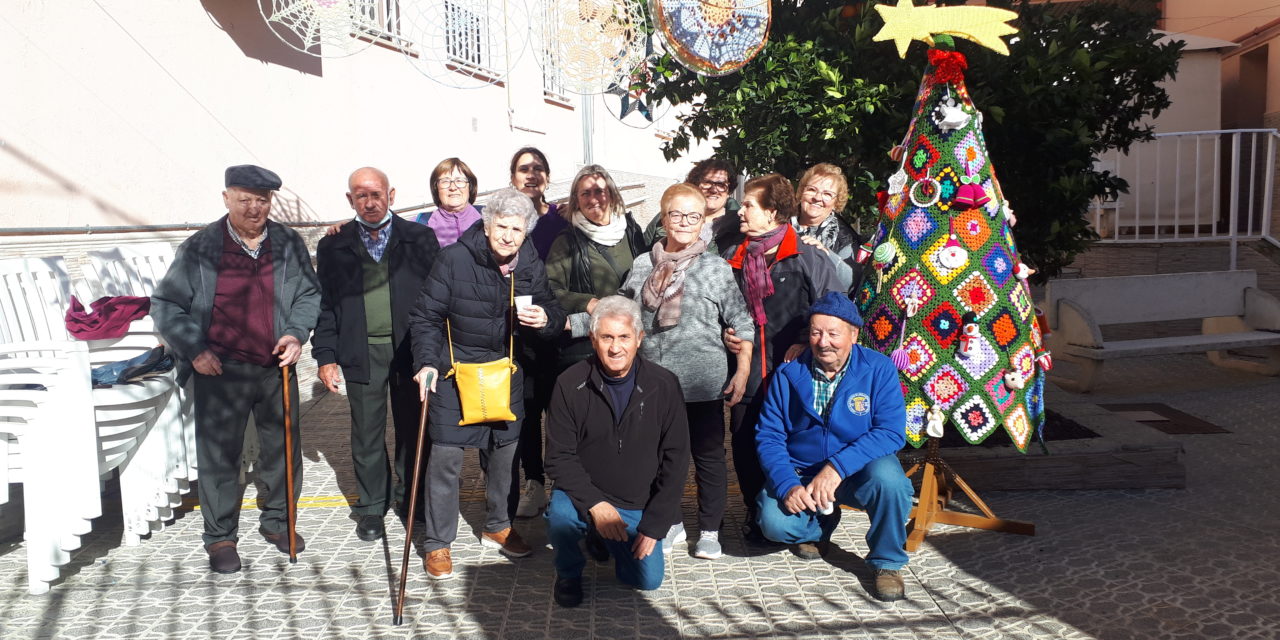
column 689, row 296
column 509, row 202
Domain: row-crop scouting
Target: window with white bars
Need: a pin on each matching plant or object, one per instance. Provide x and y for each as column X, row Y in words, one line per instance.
column 468, row 34
column 383, row 23
column 552, row 75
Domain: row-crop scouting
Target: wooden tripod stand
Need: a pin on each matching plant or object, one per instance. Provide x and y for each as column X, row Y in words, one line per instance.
column 936, row 483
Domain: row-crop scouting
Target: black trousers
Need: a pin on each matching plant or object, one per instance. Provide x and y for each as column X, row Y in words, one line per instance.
column 746, row 462
column 222, row 407
column 368, row 431
column 706, row 443
column 539, row 382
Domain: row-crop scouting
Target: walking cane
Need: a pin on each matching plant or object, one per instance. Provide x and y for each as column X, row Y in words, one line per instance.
column 413, row 503
column 288, row 468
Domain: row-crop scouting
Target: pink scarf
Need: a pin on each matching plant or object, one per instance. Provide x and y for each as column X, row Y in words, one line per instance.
column 664, row 288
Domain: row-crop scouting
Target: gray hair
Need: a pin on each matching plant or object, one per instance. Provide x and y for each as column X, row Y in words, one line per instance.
column 617, row 306
column 616, row 206
column 507, row 202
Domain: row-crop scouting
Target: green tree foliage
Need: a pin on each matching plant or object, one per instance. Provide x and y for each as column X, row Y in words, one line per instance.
column 1080, row 79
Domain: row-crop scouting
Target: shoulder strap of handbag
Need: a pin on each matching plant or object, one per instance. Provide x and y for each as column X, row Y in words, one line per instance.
column 511, row 339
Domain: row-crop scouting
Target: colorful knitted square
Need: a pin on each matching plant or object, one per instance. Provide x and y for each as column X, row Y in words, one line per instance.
column 940, row 273
column 921, row 158
column 970, row 155
column 912, row 283
column 916, row 410
column 1021, row 302
column 1035, row 399
column 916, row 227
column 974, row 294
column 993, row 206
column 999, row 394
column 1037, row 340
column 981, row 358
column 975, row 419
column 999, row 265
column 882, row 329
column 1024, row 361
column 948, row 183
column 1019, row 427
column 895, row 204
column 920, row 357
column 866, row 293
column 972, row 228
column 946, row 386
column 943, row 324
column 1003, row 329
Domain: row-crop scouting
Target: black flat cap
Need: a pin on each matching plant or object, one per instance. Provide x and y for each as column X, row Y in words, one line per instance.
column 252, row 177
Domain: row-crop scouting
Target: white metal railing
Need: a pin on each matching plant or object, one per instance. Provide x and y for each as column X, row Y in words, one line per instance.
column 1193, row 186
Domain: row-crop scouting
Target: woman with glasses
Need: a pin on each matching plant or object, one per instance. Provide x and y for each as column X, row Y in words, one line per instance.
column 823, row 191
column 716, row 180
column 590, row 259
column 688, row 296
column 454, row 189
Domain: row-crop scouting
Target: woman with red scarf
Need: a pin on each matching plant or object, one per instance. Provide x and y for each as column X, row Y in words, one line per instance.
column 780, row 277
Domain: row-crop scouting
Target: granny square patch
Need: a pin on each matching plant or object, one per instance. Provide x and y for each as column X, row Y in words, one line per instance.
column 974, row 419
column 1000, row 394
column 1024, row 362
column 999, row 265
column 981, row 358
column 913, row 283
column 882, row 329
column 894, row 205
column 922, row 158
column 972, row 228
column 1019, row 427
column 916, row 409
column 919, row 357
column 993, row 206
column 942, row 274
column 975, row 294
column 916, row 227
column 1003, row 329
column 1021, row 302
column 866, row 293
column 946, row 386
column 943, row 324
column 970, row 155
column 948, row 183
column 1035, row 400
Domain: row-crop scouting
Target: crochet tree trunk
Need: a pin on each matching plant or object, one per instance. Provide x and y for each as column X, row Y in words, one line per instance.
column 948, row 299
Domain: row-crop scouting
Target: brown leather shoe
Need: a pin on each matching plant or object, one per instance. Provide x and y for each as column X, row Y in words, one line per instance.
column 223, row 557
column 281, row 540
column 439, row 564
column 889, row 586
column 810, row 550
column 508, row 542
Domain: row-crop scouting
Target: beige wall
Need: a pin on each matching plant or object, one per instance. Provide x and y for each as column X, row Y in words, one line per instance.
column 126, row 113
column 1196, row 104
column 1223, row 19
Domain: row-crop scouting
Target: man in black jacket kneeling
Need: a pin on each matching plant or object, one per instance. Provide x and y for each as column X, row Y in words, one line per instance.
column 618, row 453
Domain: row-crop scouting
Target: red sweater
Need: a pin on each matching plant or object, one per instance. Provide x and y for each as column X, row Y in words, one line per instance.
column 241, row 326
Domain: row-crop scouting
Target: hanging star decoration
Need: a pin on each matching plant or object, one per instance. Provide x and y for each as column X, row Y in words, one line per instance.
column 906, row 22
column 633, row 99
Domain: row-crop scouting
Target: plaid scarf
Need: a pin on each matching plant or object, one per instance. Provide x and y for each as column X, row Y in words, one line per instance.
column 755, row 271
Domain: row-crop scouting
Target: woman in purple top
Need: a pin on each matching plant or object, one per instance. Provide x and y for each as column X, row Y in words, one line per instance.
column 454, row 189
column 530, row 173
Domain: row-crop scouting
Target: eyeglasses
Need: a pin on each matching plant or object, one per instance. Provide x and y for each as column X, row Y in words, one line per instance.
column 693, row 217
column 445, row 183
column 719, row 187
column 827, row 196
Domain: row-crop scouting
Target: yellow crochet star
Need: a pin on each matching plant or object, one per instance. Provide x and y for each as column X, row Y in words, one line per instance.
column 907, row 22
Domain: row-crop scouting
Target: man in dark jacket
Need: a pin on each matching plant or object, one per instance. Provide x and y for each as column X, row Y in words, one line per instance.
column 618, row 452
column 370, row 275
column 832, row 421
column 236, row 305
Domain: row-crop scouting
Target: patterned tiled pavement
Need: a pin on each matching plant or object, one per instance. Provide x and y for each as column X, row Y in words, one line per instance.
column 1202, row 562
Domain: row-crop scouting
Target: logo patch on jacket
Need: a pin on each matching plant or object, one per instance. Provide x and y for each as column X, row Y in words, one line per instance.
column 859, row 404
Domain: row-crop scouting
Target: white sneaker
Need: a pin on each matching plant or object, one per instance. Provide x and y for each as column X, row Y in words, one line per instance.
column 532, row 500
column 708, row 546
column 675, row 536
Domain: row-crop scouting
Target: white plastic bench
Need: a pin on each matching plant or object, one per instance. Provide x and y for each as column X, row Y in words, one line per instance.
column 1235, row 314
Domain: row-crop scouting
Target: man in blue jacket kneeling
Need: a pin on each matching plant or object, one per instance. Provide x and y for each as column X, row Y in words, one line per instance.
column 832, row 421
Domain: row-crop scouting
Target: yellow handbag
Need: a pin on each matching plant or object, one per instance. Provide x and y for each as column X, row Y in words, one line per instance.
column 485, row 388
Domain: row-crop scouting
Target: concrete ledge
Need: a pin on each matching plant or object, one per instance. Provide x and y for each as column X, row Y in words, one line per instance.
column 1126, row 455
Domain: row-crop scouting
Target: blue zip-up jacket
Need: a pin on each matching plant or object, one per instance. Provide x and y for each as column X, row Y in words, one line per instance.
column 868, row 420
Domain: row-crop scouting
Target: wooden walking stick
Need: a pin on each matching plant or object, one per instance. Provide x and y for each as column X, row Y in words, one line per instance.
column 413, row 503
column 288, row 468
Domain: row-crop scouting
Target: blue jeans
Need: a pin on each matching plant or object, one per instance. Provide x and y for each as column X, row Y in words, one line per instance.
column 880, row 488
column 566, row 528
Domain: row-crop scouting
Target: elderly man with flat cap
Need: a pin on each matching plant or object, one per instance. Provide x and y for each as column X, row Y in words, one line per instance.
column 370, row 275
column 236, row 305
column 831, row 425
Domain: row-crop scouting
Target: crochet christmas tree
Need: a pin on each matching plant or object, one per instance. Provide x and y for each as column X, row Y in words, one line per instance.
column 947, row 298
